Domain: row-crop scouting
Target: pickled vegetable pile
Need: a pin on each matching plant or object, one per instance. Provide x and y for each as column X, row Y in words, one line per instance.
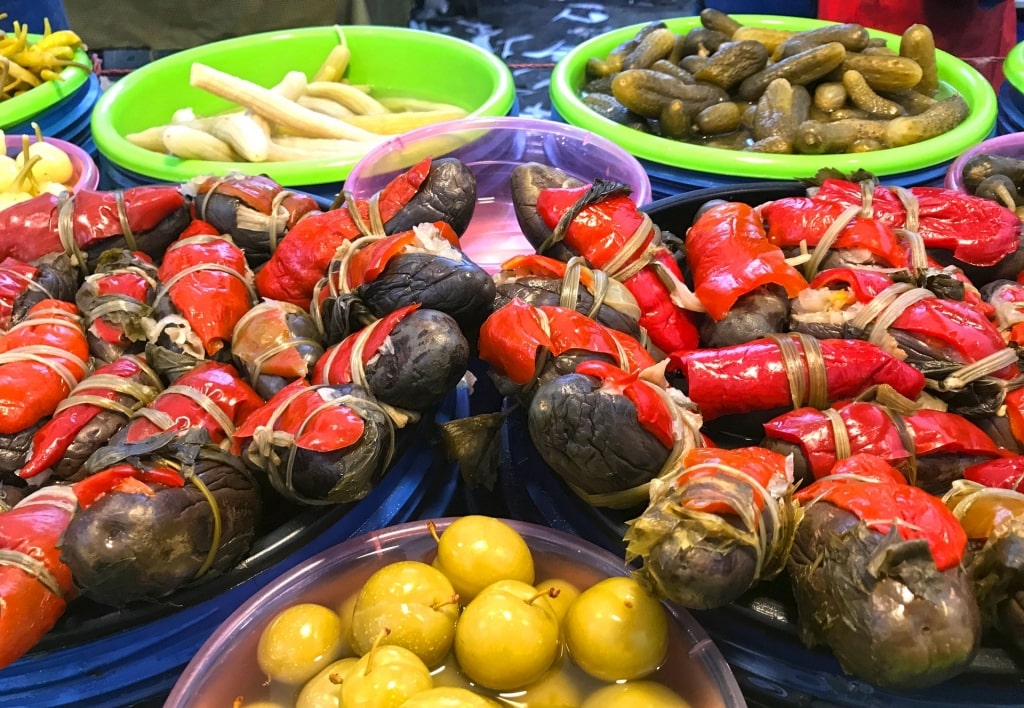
column 471, row 625
column 183, row 368
column 832, row 89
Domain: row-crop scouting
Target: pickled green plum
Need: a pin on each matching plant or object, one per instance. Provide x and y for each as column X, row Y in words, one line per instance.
column 386, row 677
column 447, row 697
column 565, row 594
column 507, row 637
column 616, row 631
column 299, row 642
column 476, row 551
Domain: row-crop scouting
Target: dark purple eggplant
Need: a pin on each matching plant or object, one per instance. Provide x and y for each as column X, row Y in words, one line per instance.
column 11, row 494
column 319, row 470
column 755, row 315
column 453, row 285
column 891, row 617
column 592, row 439
column 14, row 449
column 448, row 194
column 129, row 546
column 57, row 279
column 424, row 356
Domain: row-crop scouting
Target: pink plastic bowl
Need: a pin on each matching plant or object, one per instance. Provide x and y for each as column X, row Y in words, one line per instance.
column 86, row 174
column 492, row 148
column 1011, row 145
column 226, row 666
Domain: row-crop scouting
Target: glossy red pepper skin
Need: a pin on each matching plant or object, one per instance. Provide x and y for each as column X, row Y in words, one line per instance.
column 751, row 377
column 767, row 468
column 598, row 233
column 958, row 325
column 124, row 477
column 257, row 192
column 512, row 338
column 50, row 442
column 221, row 383
column 302, row 257
column 330, row 429
column 729, row 257
column 1003, row 473
column 33, row 528
column 28, row 230
column 866, row 466
column 30, row 390
column 873, row 432
column 211, row 300
column 976, row 231
column 335, row 367
column 916, row 513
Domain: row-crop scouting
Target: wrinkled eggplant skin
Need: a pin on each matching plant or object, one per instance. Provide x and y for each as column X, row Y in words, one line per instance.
column 997, row 427
column 996, row 566
column 57, row 279
column 591, row 439
column 128, row 547
column 528, row 181
column 825, row 330
column 851, row 585
column 462, row 290
column 427, row 357
column 94, row 435
column 553, row 368
column 755, row 315
column 10, row 495
column 540, row 292
column 448, row 194
column 153, row 243
column 14, row 449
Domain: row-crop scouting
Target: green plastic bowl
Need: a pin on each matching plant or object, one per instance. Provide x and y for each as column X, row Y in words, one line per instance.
column 1013, row 67
column 954, row 75
column 35, row 101
column 393, row 60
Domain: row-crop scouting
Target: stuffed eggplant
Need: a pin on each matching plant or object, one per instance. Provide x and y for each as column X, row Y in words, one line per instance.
column 319, row 444
column 22, row 285
column 876, row 571
column 373, row 276
column 722, row 522
column 275, row 343
column 408, row 360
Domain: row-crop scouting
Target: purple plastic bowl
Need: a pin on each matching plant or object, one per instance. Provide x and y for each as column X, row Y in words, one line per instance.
column 86, row 174
column 1011, row 145
column 225, row 666
column 492, row 147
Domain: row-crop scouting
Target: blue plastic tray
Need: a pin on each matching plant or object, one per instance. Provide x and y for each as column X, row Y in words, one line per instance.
column 137, row 654
column 68, row 119
column 1010, row 118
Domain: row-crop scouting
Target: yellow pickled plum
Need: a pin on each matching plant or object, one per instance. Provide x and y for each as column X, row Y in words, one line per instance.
column 615, row 631
column 415, row 603
column 638, row 694
column 11, row 198
column 507, row 636
column 447, row 697
column 476, row 551
column 386, row 677
column 54, row 165
column 298, row 642
column 320, row 691
column 55, row 188
column 565, row 594
column 564, row 685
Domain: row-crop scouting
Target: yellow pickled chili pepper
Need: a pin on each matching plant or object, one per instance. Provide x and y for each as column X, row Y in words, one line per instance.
column 61, row 38
column 25, row 65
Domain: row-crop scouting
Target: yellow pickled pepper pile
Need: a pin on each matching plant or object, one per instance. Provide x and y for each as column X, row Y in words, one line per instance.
column 24, row 66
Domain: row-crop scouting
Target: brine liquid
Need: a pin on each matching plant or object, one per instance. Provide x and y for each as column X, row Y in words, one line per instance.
column 494, row 235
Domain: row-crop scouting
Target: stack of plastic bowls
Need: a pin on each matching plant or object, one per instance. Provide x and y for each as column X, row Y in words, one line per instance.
column 1011, row 93
column 62, row 108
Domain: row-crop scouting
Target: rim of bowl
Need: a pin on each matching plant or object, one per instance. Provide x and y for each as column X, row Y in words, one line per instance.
column 641, row 194
column 113, row 145
column 243, row 619
column 88, row 171
column 34, row 101
column 1013, row 67
column 954, row 179
column 956, row 74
